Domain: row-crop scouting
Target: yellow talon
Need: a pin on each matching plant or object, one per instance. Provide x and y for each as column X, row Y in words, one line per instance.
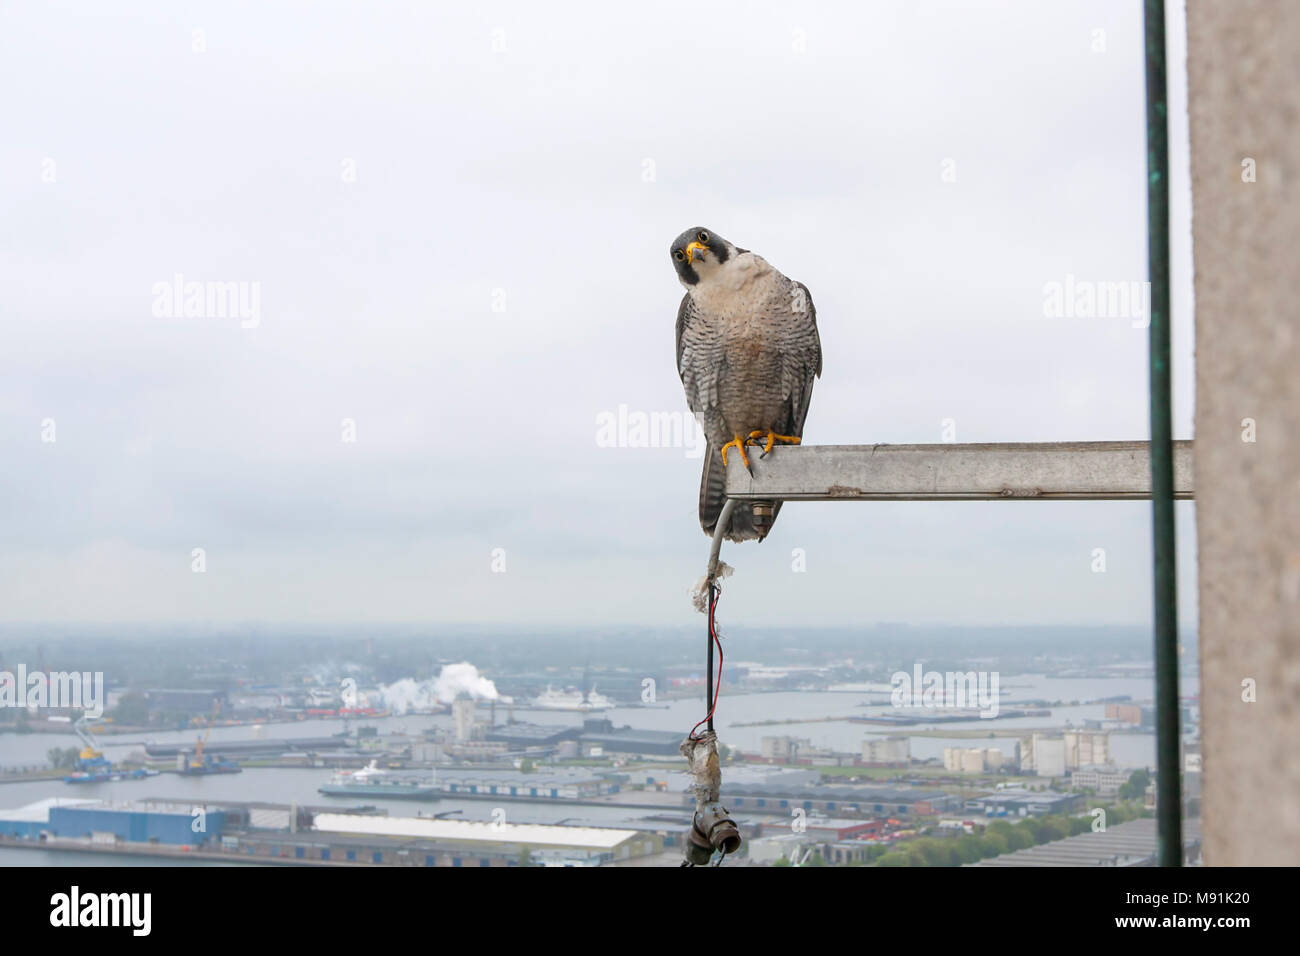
column 740, row 447
column 773, row 438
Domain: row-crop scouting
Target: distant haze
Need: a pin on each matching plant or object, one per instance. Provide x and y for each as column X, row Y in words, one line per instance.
column 431, row 243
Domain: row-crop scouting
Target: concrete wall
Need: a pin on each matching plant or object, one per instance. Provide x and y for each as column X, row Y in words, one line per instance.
column 1244, row 98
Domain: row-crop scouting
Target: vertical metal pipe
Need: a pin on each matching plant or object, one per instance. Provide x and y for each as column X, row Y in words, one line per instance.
column 1168, row 786
column 715, row 546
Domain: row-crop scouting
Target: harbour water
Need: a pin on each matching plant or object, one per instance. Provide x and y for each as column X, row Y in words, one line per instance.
column 300, row 785
column 741, row 709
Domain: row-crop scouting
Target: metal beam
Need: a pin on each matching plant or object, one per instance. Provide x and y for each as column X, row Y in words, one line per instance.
column 1039, row 471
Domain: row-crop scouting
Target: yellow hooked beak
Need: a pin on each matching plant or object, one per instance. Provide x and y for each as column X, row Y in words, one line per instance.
column 693, row 248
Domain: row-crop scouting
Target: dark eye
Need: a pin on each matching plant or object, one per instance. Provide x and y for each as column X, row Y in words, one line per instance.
column 704, row 237
column 678, row 255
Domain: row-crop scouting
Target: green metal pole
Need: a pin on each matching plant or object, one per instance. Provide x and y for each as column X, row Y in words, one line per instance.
column 1168, row 786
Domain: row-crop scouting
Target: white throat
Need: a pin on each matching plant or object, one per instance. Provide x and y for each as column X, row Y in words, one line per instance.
column 744, row 276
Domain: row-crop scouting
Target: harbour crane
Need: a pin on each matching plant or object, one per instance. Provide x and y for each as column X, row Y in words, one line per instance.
column 197, row 762
column 202, row 764
column 90, row 758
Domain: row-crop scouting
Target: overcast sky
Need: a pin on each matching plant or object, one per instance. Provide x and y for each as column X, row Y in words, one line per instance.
column 457, row 218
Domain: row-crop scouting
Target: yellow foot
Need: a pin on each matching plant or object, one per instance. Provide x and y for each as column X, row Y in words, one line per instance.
column 740, row 447
column 772, row 439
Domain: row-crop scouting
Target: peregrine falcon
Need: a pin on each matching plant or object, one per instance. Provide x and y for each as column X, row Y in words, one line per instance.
column 747, row 353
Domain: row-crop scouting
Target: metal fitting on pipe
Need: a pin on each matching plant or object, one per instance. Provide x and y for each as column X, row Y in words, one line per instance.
column 698, row 850
column 715, row 827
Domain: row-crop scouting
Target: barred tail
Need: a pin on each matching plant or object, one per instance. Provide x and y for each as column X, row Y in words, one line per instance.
column 750, row 520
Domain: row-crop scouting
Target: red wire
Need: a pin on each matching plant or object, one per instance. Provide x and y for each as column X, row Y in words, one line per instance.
column 714, row 593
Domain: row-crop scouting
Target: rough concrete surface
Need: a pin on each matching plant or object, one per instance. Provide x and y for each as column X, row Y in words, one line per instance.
column 1244, row 100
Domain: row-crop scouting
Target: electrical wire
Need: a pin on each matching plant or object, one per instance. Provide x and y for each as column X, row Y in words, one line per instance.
column 714, row 593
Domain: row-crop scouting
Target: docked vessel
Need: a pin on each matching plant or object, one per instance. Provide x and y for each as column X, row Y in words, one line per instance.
column 204, row 764
column 371, row 781
column 104, row 776
column 91, row 766
column 572, row 699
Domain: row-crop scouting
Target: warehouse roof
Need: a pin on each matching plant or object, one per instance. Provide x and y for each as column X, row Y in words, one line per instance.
column 1125, row 844
column 467, row 831
column 522, row 731
column 630, row 735
column 1024, row 796
column 39, row 812
column 823, row 823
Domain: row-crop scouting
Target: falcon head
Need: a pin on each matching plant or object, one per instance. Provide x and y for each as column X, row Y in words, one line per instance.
column 698, row 254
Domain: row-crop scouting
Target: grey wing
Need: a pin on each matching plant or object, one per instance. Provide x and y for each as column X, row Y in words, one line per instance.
column 803, row 361
column 691, row 363
column 681, row 324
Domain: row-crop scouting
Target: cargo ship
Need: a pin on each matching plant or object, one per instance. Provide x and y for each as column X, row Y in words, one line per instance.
column 373, row 782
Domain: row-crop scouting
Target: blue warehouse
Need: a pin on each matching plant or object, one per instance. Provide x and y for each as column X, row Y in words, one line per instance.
column 101, row 821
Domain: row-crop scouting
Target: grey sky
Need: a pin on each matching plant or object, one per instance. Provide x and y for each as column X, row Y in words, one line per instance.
column 502, row 149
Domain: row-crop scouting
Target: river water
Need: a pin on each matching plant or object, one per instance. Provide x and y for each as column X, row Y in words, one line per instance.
column 299, row 785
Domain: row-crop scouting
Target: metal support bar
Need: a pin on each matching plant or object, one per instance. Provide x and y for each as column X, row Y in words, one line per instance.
column 1168, row 783
column 1047, row 471
column 1042, row 471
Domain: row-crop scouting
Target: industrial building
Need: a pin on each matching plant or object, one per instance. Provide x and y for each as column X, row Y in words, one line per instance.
column 826, row 829
column 799, row 847
column 1124, row 713
column 974, row 759
column 1104, row 781
column 873, row 801
column 845, row 852
column 99, row 821
column 783, row 749
column 1086, row 748
column 801, row 750
column 591, row 845
column 887, row 751
column 770, row 849
column 553, row 785
column 273, row 833
column 1023, row 803
column 522, row 736
column 1052, row 756
column 1145, row 716
column 596, row 735
column 600, row 735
